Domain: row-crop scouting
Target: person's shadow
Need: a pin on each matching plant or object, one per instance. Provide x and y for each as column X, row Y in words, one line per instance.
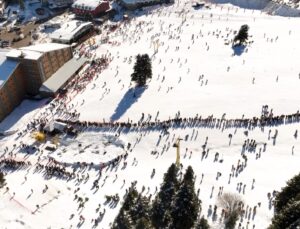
column 130, row 97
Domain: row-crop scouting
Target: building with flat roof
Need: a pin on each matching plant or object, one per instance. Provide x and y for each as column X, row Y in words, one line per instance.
column 39, row 62
column 90, row 8
column 23, row 71
column 71, row 31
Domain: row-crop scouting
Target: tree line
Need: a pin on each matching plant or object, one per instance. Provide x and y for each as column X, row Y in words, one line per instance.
column 176, row 205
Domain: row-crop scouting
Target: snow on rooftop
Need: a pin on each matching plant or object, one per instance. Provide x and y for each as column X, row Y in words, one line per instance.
column 34, row 52
column 28, row 54
column 69, row 30
column 6, row 66
column 92, row 4
column 45, row 47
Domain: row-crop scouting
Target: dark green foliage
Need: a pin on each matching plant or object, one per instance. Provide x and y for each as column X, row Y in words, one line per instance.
column 140, row 209
column 202, row 224
column 144, row 223
column 176, row 206
column 135, row 212
column 162, row 203
column 124, row 220
column 288, row 194
column 189, row 176
column 288, row 218
column 242, row 35
column 142, row 70
column 287, row 206
column 186, row 205
column 2, row 180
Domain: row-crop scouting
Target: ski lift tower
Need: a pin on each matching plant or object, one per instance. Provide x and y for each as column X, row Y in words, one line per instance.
column 177, row 146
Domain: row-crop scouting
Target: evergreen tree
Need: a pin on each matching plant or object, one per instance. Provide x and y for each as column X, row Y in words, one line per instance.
column 123, row 219
column 161, row 207
column 189, row 176
column 186, row 205
column 242, row 35
column 202, row 224
column 2, row 180
column 140, row 210
column 142, row 70
column 287, row 206
column 144, row 223
column 288, row 218
column 289, row 193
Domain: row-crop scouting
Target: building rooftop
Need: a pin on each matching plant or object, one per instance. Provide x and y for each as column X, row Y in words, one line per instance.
column 62, row 75
column 69, row 30
column 87, row 4
column 34, row 52
column 45, row 47
column 6, row 66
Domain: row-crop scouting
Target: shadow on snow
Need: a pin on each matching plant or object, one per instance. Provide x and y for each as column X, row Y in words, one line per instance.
column 130, row 97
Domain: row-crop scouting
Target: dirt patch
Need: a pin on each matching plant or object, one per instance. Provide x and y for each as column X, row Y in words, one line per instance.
column 15, row 35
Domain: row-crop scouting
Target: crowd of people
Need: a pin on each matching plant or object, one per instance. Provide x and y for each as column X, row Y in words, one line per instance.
column 13, row 164
column 198, row 121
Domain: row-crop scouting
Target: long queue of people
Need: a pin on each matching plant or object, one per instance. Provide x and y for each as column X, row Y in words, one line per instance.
column 14, row 164
column 209, row 122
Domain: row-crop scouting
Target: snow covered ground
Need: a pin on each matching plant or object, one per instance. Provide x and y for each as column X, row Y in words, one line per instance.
column 201, row 76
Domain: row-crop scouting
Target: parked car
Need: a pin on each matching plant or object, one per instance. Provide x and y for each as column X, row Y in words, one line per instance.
column 4, row 44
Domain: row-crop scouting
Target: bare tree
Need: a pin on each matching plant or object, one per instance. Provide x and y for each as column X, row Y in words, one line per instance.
column 232, row 204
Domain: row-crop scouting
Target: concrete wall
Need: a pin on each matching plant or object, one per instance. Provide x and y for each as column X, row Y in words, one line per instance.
column 12, row 92
column 38, row 71
column 52, row 61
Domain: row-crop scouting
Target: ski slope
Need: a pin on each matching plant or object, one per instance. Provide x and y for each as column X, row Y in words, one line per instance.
column 202, row 76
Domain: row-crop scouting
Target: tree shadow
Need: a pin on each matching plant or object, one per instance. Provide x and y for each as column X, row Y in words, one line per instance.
column 238, row 49
column 130, row 97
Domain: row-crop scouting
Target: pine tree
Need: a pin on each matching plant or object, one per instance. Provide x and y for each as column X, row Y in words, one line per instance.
column 142, row 70
column 288, row 193
column 141, row 209
column 161, row 206
column 2, row 180
column 242, row 35
column 288, row 218
column 202, row 224
column 186, row 205
column 123, row 219
column 144, row 223
column 287, row 206
column 189, row 176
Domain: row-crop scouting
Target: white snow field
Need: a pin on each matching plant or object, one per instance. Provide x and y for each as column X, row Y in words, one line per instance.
column 194, row 76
